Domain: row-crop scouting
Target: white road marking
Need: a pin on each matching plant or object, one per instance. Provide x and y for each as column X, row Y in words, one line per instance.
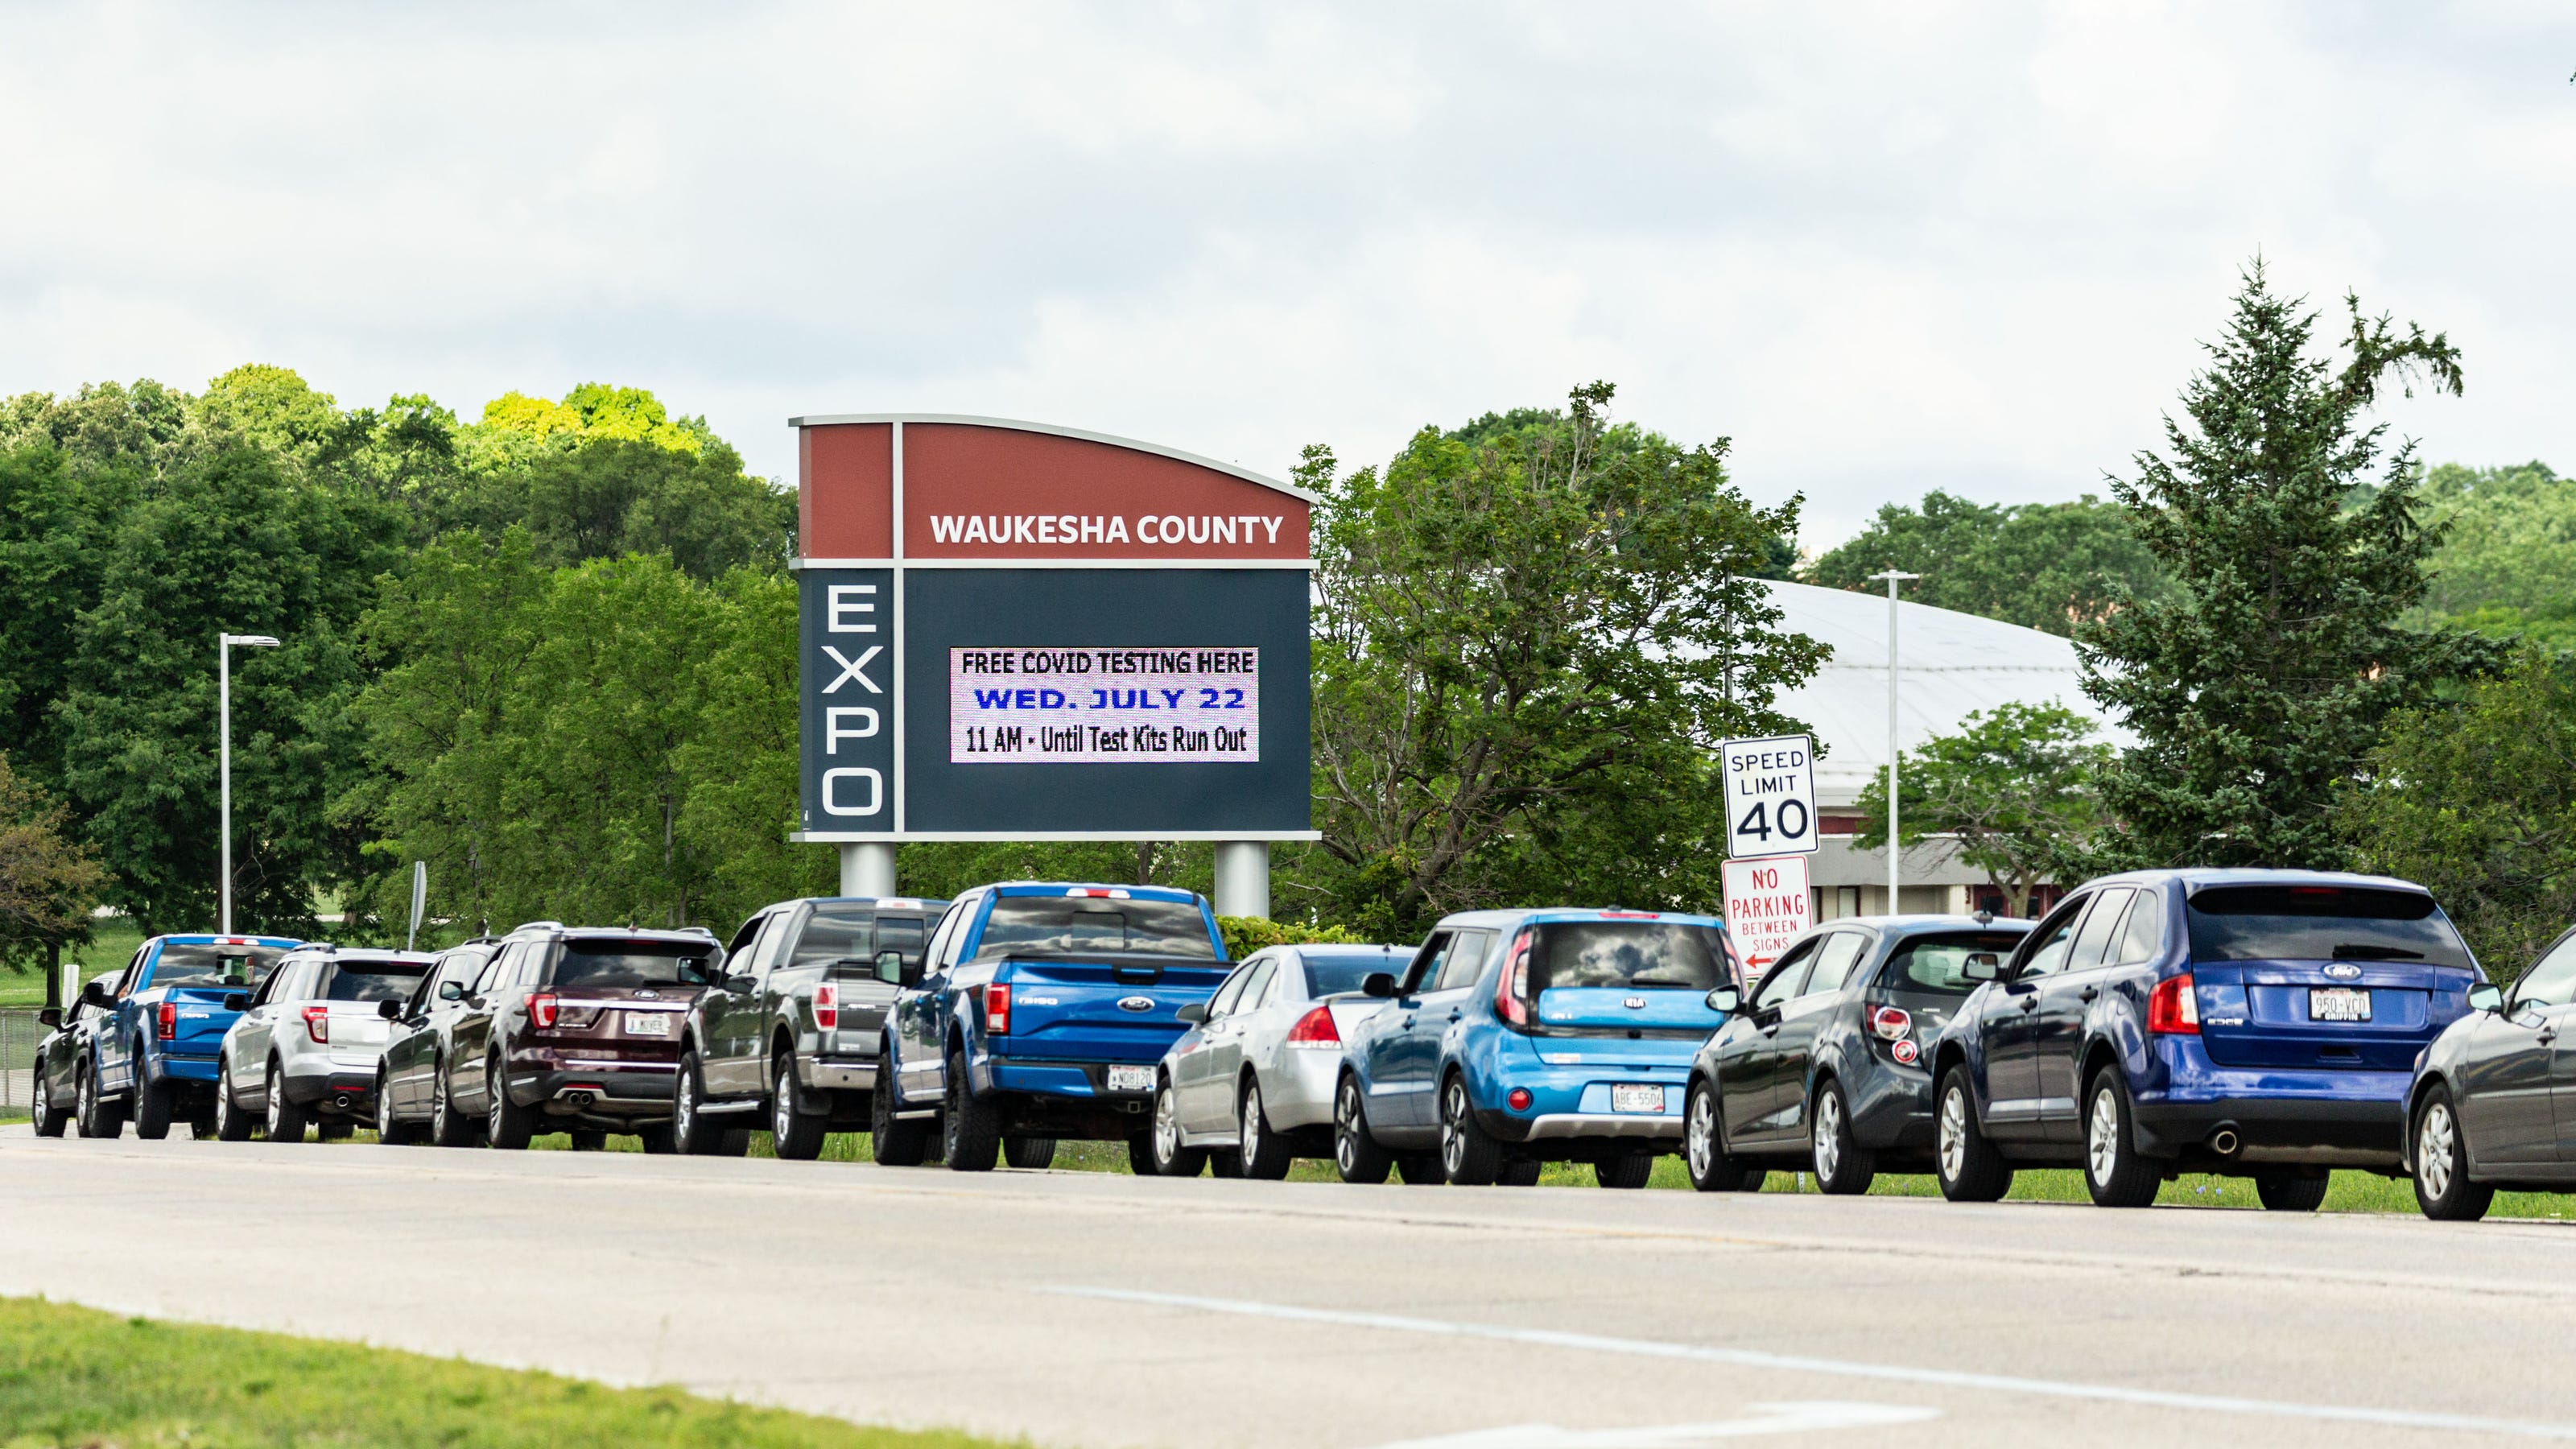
column 1841, row 1368
column 1796, row 1418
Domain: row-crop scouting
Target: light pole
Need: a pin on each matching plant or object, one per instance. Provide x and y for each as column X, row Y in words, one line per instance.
column 224, row 756
column 1895, row 852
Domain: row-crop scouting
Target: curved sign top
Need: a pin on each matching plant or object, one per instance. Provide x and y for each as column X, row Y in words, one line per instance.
column 972, row 490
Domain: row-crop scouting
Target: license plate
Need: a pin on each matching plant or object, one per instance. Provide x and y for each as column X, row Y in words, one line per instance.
column 1131, row 1079
column 648, row 1023
column 2338, row 1003
column 1636, row 1097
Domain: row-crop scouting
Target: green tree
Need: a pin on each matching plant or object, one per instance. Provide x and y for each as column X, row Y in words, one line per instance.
column 1527, row 644
column 2257, row 686
column 58, row 523
column 2477, row 801
column 2507, row 561
column 2044, row 566
column 2016, row 787
column 49, row 880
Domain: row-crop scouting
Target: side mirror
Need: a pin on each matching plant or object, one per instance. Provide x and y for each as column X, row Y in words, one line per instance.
column 2485, row 996
column 1195, row 1011
column 390, row 1010
column 237, row 1001
column 451, row 991
column 1725, row 998
column 890, row 967
column 1378, row 983
column 95, row 994
column 1982, row 966
column 50, row 1016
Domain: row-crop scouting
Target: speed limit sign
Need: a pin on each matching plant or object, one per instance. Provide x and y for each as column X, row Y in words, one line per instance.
column 1770, row 796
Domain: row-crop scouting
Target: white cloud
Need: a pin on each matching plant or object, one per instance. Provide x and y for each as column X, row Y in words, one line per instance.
column 1882, row 247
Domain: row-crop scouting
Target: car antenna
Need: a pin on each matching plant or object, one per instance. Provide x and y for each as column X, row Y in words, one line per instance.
column 1985, row 917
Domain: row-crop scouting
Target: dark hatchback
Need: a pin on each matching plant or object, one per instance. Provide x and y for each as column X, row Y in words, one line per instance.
column 1827, row 1067
column 2493, row 1104
column 2260, row 1023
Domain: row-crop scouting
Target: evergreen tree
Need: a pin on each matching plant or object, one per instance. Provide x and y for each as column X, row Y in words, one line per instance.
column 2258, row 685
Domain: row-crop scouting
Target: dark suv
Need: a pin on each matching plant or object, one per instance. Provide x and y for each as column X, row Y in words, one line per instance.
column 573, row 1029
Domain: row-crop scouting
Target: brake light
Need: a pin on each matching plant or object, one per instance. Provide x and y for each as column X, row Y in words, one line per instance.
column 997, row 1009
column 1316, row 1029
column 168, row 1016
column 1512, row 987
column 1891, row 1023
column 317, row 1024
column 1615, row 914
column 1097, row 893
column 542, row 1008
column 827, row 1007
column 2173, row 1007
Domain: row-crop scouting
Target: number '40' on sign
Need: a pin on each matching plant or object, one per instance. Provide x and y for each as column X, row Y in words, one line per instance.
column 1770, row 795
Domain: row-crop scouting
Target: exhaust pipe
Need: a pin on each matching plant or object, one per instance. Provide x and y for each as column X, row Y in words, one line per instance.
column 2223, row 1142
column 341, row 1101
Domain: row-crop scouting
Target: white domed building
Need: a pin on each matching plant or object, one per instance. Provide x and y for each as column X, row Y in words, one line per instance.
column 1949, row 665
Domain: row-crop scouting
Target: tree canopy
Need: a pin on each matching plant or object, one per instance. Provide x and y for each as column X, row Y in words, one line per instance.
column 2047, row 566
column 2017, row 787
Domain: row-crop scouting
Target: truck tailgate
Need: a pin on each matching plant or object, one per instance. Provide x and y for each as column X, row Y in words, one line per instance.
column 1099, row 1011
column 198, row 1019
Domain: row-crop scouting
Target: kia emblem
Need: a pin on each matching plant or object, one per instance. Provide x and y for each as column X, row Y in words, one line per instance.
column 1135, row 1003
column 1635, row 1003
column 2344, row 971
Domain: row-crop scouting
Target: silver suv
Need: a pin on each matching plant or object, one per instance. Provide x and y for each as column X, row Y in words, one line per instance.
column 305, row 1049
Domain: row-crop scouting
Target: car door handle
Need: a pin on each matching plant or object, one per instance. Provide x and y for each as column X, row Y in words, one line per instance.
column 1408, row 1021
column 2548, row 1034
column 2090, row 992
column 2030, row 1003
column 1456, row 1013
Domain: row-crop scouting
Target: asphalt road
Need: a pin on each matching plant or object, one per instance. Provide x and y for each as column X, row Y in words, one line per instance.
column 1086, row 1309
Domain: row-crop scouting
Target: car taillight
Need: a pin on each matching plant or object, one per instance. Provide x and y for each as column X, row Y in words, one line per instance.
column 168, row 1016
column 1511, row 989
column 1891, row 1023
column 2173, row 1007
column 317, row 1024
column 1520, row 1099
column 1316, row 1029
column 542, row 1009
column 827, row 1006
column 997, row 1009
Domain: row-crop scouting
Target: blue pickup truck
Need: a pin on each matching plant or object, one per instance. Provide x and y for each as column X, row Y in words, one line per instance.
column 1037, row 1012
column 153, row 1052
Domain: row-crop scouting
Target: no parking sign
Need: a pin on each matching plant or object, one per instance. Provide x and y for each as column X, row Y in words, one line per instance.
column 1767, row 907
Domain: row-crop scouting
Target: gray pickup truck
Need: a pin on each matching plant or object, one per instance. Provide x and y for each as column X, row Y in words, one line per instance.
column 791, row 1027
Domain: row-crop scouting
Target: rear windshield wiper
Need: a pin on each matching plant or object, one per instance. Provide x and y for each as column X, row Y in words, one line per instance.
column 2365, row 952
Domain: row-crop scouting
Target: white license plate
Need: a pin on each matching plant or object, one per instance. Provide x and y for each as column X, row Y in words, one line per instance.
column 648, row 1023
column 1636, row 1097
column 2338, row 1003
column 1131, row 1079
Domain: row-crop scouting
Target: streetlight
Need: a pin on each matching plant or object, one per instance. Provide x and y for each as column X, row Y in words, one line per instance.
column 1895, row 852
column 224, row 754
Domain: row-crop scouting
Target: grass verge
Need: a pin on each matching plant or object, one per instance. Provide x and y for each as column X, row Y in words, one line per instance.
column 78, row 1377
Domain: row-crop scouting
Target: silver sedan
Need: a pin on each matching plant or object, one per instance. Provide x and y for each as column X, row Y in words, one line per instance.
column 1252, row 1080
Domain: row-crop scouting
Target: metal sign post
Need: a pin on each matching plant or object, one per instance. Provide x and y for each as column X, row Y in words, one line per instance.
column 1895, row 851
column 419, row 901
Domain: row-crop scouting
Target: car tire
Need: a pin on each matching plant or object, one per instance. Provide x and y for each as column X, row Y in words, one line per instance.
column 795, row 1136
column 1843, row 1167
column 49, row 1121
column 892, row 1140
column 970, row 1129
column 151, row 1104
column 233, row 1123
column 1628, row 1170
column 1704, row 1156
column 1520, row 1172
column 203, row 1128
column 506, row 1125
column 1470, row 1156
column 97, row 1116
column 656, row 1140
column 334, row 1131
column 1166, row 1155
column 282, row 1120
column 2441, row 1156
column 1266, row 1155
column 1966, row 1162
column 1029, row 1154
column 449, row 1127
column 2115, row 1172
column 1356, row 1155
column 588, row 1139
column 1419, row 1169
column 2284, row 1192
column 693, row 1132
column 391, row 1131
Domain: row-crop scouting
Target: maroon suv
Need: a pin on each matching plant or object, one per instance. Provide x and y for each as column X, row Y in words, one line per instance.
column 577, row 1029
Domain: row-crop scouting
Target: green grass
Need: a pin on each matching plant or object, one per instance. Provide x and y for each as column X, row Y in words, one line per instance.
column 79, row 1377
column 113, row 943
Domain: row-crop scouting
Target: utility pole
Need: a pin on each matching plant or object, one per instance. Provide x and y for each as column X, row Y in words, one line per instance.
column 1895, row 852
column 224, row 757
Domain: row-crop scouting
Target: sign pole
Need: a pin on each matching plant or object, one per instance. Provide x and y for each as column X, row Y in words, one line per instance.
column 867, row 868
column 1895, row 852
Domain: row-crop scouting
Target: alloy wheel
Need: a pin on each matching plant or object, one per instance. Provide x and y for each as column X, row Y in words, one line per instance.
column 1167, row 1125
column 684, row 1110
column 2434, row 1143
column 1248, row 1134
column 275, row 1104
column 782, row 1113
column 1954, row 1134
column 439, row 1107
column 385, row 1124
column 492, row 1100
column 1346, row 1112
column 2102, row 1135
column 1699, row 1132
column 1829, row 1134
column 1453, row 1137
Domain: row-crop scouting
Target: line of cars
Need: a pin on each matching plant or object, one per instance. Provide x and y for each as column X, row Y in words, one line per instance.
column 2270, row 1024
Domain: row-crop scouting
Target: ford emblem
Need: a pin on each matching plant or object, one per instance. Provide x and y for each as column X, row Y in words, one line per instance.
column 648, row 994
column 1135, row 1003
column 2344, row 971
column 1635, row 1003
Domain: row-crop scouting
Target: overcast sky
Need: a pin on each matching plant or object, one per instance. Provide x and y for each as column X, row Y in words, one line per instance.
column 1883, row 248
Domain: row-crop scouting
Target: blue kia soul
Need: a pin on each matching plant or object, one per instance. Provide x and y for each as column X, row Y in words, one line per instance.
column 2260, row 1023
column 1515, row 1038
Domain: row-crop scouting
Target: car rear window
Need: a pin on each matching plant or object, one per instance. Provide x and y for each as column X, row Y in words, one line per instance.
column 1646, row 955
column 1933, row 964
column 371, row 980
column 830, row 937
column 1095, row 923
column 633, row 963
column 199, row 965
column 2321, row 923
column 1332, row 975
